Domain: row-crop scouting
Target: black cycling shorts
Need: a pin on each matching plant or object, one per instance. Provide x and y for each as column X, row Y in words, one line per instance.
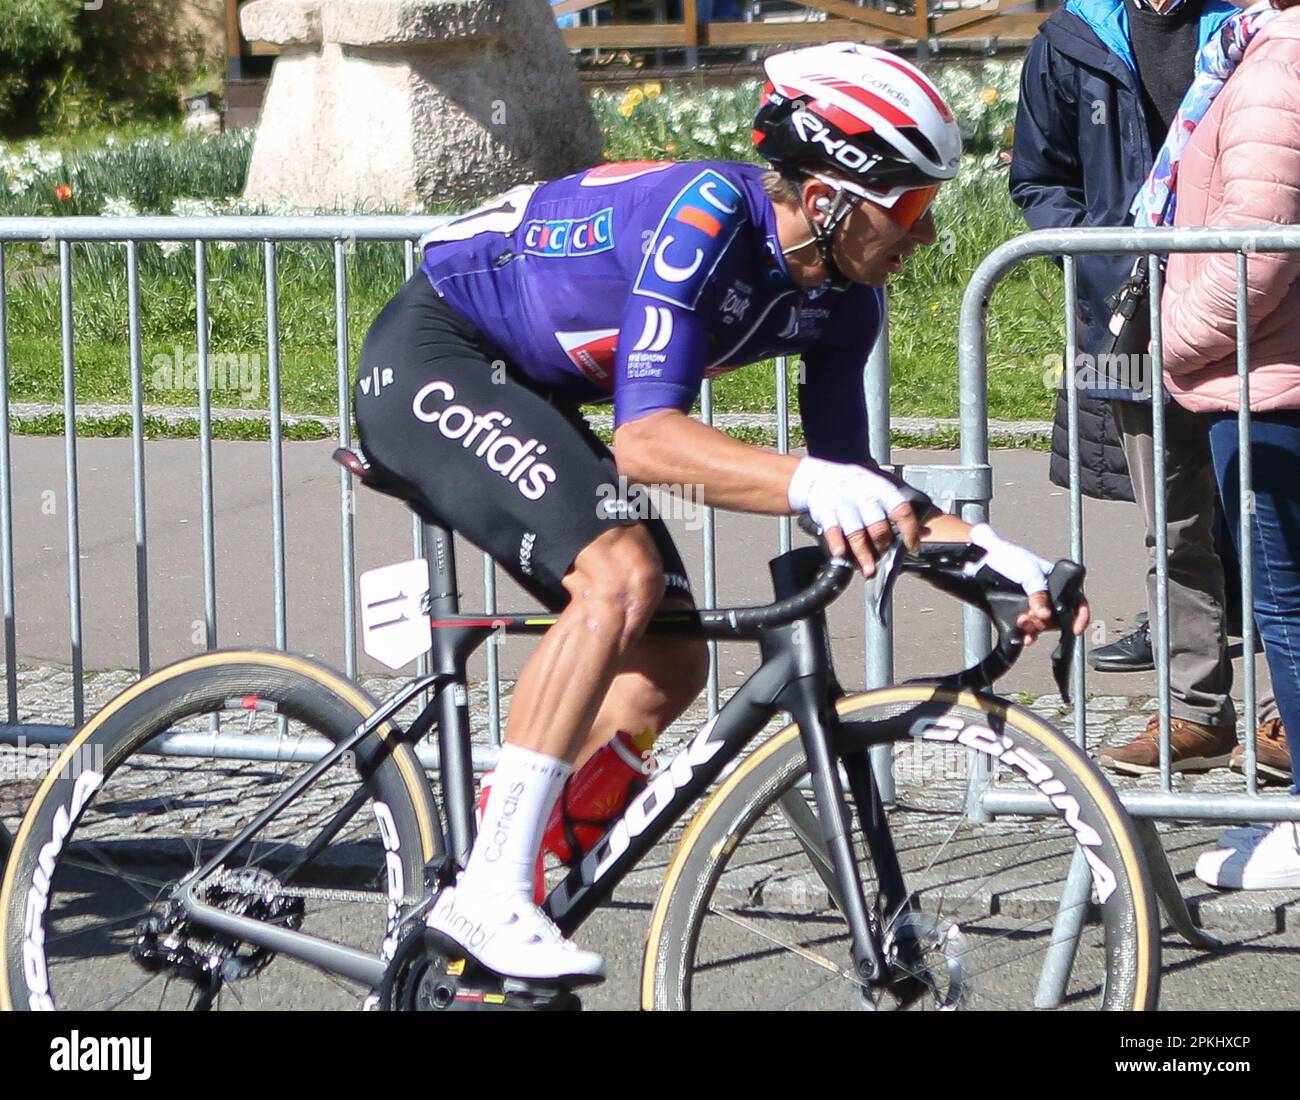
column 450, row 426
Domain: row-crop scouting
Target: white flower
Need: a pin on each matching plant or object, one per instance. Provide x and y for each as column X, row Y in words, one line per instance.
column 170, row 248
column 117, row 207
column 703, row 136
column 193, row 208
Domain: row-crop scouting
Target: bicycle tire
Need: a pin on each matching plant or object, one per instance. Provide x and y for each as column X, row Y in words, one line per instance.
column 104, row 833
column 711, row 941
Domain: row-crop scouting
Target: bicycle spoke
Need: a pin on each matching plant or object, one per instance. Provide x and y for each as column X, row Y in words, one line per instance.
column 803, row 953
column 154, row 820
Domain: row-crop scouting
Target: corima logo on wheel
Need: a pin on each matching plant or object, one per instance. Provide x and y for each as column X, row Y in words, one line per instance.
column 513, row 458
column 571, row 236
column 691, row 240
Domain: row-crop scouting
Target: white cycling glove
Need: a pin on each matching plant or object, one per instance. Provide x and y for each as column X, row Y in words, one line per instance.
column 1014, row 562
column 836, row 494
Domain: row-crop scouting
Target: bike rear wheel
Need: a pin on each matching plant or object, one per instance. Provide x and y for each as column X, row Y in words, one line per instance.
column 86, row 920
column 747, row 917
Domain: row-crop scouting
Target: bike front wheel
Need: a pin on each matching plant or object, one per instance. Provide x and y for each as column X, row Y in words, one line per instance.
column 89, row 917
column 1042, row 911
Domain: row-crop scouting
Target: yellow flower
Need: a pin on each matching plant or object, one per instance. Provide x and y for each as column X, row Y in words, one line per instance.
column 989, row 95
column 635, row 96
column 625, row 109
column 653, row 89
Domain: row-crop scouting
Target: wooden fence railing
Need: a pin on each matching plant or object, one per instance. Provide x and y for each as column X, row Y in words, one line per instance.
column 827, row 21
column 843, row 20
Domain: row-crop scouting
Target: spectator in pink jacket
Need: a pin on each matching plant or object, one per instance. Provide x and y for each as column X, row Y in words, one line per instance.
column 1241, row 167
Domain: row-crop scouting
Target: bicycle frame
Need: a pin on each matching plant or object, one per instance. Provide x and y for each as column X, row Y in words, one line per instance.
column 795, row 676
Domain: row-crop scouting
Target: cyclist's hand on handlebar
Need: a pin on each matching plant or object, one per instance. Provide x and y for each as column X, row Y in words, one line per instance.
column 1039, row 617
column 1029, row 571
column 853, row 506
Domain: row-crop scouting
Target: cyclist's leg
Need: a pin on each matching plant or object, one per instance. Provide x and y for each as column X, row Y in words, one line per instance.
column 615, row 585
column 660, row 678
column 479, row 451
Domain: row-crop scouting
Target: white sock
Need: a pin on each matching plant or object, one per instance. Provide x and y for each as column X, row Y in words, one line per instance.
column 525, row 787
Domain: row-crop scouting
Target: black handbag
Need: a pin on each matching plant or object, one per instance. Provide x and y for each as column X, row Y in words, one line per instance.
column 1128, row 332
column 1122, row 352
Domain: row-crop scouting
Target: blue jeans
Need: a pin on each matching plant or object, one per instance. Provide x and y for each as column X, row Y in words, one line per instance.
column 1275, row 542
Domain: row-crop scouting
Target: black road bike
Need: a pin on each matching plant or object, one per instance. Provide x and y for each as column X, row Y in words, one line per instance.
column 296, row 869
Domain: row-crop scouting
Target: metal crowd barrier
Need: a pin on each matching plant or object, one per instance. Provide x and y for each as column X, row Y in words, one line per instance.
column 973, row 387
column 200, row 232
column 965, row 486
column 269, row 232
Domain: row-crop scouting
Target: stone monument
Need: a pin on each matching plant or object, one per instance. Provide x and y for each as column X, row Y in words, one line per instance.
column 388, row 103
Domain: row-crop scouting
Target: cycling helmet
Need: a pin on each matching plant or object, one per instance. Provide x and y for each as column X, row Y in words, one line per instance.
column 869, row 117
column 868, row 124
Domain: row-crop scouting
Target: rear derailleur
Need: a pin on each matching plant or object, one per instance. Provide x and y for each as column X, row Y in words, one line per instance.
column 166, row 942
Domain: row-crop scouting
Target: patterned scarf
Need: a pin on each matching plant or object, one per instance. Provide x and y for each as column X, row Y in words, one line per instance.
column 1157, row 198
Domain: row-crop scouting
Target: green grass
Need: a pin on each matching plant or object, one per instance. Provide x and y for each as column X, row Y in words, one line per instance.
column 160, row 169
column 157, row 428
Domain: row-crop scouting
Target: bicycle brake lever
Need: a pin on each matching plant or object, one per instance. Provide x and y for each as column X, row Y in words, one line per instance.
column 1065, row 590
column 881, row 583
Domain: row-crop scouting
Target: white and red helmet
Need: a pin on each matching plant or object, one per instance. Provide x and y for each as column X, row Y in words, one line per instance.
column 862, row 113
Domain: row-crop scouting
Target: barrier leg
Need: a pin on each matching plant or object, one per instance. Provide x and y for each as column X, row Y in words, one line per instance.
column 1166, row 886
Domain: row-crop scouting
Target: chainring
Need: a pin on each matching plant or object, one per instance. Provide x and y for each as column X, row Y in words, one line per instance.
column 429, row 974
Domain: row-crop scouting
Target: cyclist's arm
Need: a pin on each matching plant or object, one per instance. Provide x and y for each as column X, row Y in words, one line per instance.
column 670, row 447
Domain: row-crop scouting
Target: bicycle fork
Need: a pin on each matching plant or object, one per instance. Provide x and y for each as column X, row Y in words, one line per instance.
column 832, row 852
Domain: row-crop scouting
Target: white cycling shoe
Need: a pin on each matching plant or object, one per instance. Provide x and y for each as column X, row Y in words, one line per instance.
column 512, row 936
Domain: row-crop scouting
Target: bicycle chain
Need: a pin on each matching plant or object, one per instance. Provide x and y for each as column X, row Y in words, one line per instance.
column 229, row 879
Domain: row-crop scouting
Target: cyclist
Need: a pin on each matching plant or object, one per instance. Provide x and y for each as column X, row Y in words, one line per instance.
column 633, row 282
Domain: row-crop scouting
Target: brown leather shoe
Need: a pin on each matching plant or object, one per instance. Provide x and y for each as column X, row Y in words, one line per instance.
column 1194, row 747
column 1272, row 753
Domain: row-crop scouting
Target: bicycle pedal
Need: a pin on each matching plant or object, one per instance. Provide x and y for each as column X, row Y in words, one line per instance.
column 446, row 954
column 458, row 982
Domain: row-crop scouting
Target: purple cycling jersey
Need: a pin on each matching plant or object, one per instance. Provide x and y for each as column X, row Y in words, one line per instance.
column 634, row 282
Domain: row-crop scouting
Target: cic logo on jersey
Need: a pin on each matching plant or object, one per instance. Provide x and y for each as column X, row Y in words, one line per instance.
column 513, row 458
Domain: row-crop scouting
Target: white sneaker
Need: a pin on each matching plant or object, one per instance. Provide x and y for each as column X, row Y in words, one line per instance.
column 511, row 935
column 1271, row 863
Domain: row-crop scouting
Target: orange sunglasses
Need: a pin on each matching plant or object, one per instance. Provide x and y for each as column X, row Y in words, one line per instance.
column 911, row 206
